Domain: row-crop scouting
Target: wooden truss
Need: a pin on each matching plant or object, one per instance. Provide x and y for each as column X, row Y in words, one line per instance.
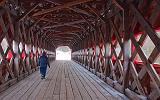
column 101, row 33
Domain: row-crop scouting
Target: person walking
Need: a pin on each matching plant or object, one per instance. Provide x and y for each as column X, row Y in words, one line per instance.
column 42, row 63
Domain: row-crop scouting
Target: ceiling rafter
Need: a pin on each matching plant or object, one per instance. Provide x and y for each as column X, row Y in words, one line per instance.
column 36, row 22
column 61, row 7
column 66, row 32
column 55, row 19
column 68, row 23
column 28, row 12
column 75, row 9
column 42, row 27
column 95, row 11
column 66, row 37
column 65, row 19
column 70, row 34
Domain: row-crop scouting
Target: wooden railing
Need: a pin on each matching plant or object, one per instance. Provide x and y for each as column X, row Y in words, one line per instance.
column 98, row 51
column 18, row 52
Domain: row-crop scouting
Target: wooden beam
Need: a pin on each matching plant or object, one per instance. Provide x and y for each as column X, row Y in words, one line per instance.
column 118, row 4
column 60, row 40
column 74, row 34
column 2, row 2
column 76, row 26
column 150, row 69
column 84, row 29
column 146, row 26
column 64, row 40
column 48, row 20
column 95, row 11
column 126, row 49
column 93, row 26
column 28, row 12
column 68, row 23
column 50, row 42
column 117, row 34
column 56, row 19
column 110, row 15
column 42, row 28
column 88, row 22
column 67, row 37
column 44, row 34
column 75, row 9
column 67, row 32
column 61, row 7
column 38, row 20
column 4, row 30
column 60, row 43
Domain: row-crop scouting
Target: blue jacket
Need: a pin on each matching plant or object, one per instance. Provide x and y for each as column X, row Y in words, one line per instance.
column 43, row 61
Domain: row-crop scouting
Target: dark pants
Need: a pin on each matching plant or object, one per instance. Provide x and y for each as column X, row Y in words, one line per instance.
column 43, row 71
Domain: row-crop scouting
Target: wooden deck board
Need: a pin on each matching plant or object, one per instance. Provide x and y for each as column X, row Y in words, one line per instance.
column 18, row 88
column 105, row 89
column 96, row 92
column 85, row 92
column 63, row 86
column 49, row 94
column 45, row 86
column 66, row 80
column 76, row 92
column 70, row 95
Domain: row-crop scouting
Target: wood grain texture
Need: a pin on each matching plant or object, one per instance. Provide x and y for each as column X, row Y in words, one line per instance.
column 65, row 80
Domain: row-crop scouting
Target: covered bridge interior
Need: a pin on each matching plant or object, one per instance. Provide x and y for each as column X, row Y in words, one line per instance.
column 117, row 40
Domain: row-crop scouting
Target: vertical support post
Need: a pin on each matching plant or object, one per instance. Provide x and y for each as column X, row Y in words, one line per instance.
column 107, row 48
column 126, row 49
column 16, row 58
column 35, row 55
column 27, row 50
column 97, row 59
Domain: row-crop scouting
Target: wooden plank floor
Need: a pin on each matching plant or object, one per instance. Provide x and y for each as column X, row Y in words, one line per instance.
column 66, row 80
